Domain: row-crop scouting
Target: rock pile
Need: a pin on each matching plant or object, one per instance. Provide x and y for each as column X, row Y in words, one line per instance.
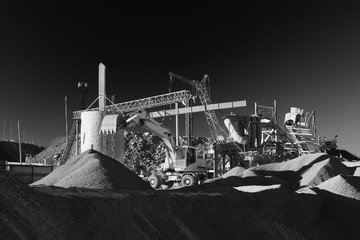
column 94, row 170
column 313, row 197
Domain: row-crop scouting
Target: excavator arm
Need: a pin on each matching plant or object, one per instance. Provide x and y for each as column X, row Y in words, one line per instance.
column 111, row 123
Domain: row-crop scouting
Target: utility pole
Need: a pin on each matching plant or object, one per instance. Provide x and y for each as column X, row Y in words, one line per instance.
column 11, row 138
column 275, row 120
column 66, row 121
column 19, row 142
column 4, row 131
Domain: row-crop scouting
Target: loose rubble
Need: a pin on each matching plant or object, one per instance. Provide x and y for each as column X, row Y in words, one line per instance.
column 93, row 197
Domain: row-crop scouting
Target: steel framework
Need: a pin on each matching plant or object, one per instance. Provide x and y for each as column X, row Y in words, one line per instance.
column 143, row 103
column 204, row 95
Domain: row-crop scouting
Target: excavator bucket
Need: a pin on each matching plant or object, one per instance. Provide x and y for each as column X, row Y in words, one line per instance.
column 111, row 123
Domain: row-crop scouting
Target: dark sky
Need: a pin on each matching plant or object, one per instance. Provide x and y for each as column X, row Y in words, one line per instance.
column 301, row 53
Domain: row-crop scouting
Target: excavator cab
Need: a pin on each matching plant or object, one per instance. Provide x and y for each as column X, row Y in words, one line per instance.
column 186, row 160
column 184, row 157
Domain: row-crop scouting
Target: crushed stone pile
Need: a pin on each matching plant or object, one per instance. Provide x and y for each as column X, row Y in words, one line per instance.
column 66, row 213
column 324, row 170
column 343, row 185
column 92, row 169
column 288, row 171
column 304, row 171
column 357, row 172
column 299, row 164
column 226, row 184
column 22, row 216
column 235, row 171
column 341, row 206
column 260, row 204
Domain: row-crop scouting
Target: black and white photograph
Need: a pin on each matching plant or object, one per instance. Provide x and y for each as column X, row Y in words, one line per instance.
column 165, row 120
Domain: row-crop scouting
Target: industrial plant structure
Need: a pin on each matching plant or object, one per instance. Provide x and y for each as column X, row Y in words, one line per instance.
column 247, row 139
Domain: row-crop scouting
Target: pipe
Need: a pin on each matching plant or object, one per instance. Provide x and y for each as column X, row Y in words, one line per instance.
column 233, row 133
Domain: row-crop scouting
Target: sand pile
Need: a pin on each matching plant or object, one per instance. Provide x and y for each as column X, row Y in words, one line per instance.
column 357, row 172
column 298, row 164
column 236, row 171
column 343, row 185
column 92, row 169
column 22, row 216
column 340, row 206
column 306, row 170
column 227, row 184
column 235, row 207
column 66, row 213
column 289, row 171
column 324, row 170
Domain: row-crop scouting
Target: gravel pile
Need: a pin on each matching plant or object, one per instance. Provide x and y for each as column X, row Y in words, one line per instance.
column 77, row 204
column 324, row 170
column 94, row 170
column 343, row 185
column 340, row 197
column 306, row 170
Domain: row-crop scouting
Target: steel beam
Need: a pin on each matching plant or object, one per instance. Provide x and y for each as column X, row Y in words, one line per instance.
column 150, row 102
column 201, row 108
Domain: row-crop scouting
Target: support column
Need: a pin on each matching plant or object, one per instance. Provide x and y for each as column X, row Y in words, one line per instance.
column 20, row 154
column 189, row 125
column 76, row 137
column 252, row 132
column 177, row 124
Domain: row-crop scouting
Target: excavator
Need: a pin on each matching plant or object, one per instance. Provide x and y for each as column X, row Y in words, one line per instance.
column 181, row 164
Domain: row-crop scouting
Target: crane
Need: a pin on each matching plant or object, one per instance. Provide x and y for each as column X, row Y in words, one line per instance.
column 203, row 91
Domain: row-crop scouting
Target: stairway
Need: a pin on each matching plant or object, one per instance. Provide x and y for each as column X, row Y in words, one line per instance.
column 304, row 136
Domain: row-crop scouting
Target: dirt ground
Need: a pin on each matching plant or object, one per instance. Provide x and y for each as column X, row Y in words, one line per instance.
column 93, row 197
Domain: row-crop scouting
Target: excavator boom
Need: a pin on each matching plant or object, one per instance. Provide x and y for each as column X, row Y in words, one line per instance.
column 111, row 123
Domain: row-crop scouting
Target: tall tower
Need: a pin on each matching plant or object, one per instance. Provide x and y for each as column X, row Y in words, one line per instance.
column 91, row 138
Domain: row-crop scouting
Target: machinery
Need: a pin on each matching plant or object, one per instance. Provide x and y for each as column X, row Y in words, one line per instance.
column 328, row 145
column 203, row 91
column 181, row 164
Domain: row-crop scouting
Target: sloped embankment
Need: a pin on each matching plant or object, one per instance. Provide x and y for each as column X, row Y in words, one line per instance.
column 10, row 150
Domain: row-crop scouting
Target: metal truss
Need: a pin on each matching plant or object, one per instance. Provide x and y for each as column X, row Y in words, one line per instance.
column 203, row 91
column 149, row 102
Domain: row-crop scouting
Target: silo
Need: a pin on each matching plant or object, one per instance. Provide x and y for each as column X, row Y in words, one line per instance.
column 91, row 138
